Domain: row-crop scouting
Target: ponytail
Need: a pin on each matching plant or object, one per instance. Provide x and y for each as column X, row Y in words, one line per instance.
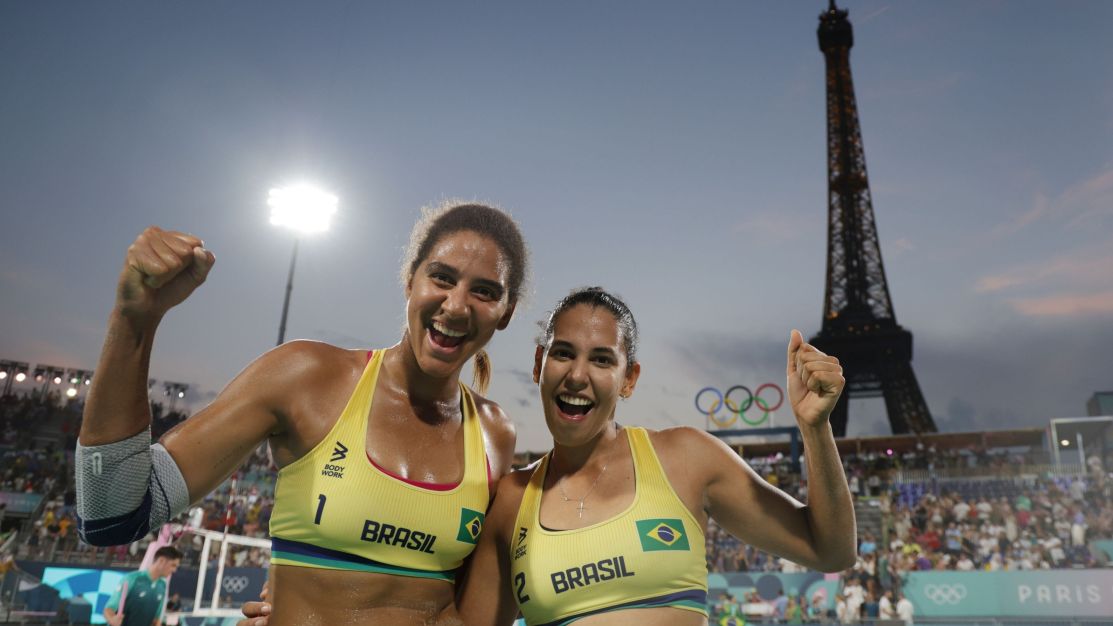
column 481, row 372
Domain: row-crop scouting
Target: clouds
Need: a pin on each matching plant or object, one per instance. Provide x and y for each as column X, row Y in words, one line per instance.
column 1086, row 266
column 719, row 357
column 1019, row 374
column 775, row 227
column 1069, row 305
column 900, row 246
column 1084, row 203
column 662, row 155
column 1070, row 274
column 1014, row 375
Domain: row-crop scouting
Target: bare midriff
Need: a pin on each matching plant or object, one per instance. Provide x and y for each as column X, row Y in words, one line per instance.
column 307, row 596
column 660, row 616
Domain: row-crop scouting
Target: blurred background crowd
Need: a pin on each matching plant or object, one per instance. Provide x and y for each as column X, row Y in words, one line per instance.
column 960, row 508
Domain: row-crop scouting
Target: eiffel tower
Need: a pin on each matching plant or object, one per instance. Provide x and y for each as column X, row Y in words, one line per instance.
column 859, row 326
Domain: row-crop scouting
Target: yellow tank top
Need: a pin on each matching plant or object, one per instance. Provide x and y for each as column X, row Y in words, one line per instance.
column 650, row 555
column 335, row 509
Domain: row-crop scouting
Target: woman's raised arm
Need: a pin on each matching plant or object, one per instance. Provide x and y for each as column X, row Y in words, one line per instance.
column 821, row 534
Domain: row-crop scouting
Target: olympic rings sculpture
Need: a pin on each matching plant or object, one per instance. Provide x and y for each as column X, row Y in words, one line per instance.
column 737, row 409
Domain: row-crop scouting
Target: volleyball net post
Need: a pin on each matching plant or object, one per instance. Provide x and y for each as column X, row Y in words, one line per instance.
column 225, row 539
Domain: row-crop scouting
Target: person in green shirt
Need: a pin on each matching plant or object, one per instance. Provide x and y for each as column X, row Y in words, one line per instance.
column 140, row 597
column 793, row 613
column 728, row 611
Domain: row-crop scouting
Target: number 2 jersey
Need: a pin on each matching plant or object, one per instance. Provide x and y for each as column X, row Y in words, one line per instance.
column 335, row 509
column 650, row 555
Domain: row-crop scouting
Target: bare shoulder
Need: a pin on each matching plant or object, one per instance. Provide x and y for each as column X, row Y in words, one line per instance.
column 296, row 374
column 515, row 482
column 500, row 433
column 692, row 453
column 276, row 378
column 302, row 358
column 512, row 486
column 684, row 441
column 496, row 422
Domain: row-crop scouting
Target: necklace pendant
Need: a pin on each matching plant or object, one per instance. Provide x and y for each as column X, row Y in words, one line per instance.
column 582, row 507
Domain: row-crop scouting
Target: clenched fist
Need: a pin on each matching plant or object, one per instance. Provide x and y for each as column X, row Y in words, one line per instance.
column 161, row 269
column 815, row 381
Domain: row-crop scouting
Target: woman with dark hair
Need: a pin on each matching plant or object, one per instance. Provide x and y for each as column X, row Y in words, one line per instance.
column 608, row 528
column 387, row 461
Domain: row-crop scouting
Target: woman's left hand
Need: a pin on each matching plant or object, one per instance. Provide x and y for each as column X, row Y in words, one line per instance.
column 815, row 381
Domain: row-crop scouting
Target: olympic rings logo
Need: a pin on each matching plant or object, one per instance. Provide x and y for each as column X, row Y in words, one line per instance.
column 234, row 584
column 709, row 400
column 945, row 594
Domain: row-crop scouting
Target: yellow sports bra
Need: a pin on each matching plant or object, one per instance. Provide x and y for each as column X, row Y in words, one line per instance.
column 650, row 555
column 335, row 509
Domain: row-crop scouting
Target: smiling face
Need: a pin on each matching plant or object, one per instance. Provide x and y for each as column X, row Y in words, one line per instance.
column 582, row 372
column 455, row 301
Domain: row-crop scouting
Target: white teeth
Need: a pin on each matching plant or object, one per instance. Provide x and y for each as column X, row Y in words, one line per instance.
column 573, row 400
column 445, row 330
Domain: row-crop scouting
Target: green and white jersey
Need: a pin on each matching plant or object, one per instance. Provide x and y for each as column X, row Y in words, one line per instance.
column 144, row 601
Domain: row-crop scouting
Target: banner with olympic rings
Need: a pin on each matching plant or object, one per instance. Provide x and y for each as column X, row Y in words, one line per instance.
column 1058, row 594
column 724, row 409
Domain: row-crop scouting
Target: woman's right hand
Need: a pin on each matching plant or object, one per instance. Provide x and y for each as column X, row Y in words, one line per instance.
column 256, row 614
column 161, row 269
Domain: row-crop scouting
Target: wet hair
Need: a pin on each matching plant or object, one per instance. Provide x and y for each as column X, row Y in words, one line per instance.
column 168, row 552
column 596, row 297
column 451, row 217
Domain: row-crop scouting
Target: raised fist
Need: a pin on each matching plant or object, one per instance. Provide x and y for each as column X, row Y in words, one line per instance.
column 161, row 269
column 815, row 381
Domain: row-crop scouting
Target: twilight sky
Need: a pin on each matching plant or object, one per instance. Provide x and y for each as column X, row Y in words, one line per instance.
column 673, row 152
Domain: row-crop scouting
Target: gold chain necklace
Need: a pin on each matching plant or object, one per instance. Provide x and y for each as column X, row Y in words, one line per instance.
column 580, row 507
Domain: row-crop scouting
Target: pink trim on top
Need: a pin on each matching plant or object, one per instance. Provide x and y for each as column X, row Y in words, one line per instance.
column 415, row 483
column 370, row 353
column 429, row 486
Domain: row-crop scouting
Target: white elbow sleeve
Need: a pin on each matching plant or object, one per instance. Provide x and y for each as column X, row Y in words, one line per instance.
column 125, row 489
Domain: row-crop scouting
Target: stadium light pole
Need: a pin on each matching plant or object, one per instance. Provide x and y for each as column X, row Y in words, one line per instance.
column 305, row 210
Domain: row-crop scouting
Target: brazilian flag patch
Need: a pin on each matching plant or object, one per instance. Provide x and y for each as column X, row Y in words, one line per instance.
column 471, row 524
column 662, row 534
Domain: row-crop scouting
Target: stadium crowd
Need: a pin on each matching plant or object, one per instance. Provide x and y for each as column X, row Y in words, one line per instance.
column 988, row 522
column 986, row 513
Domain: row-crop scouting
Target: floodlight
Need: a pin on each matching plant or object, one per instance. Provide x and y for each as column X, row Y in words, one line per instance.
column 57, row 380
column 71, row 392
column 174, row 391
column 1065, row 443
column 12, row 372
column 302, row 208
